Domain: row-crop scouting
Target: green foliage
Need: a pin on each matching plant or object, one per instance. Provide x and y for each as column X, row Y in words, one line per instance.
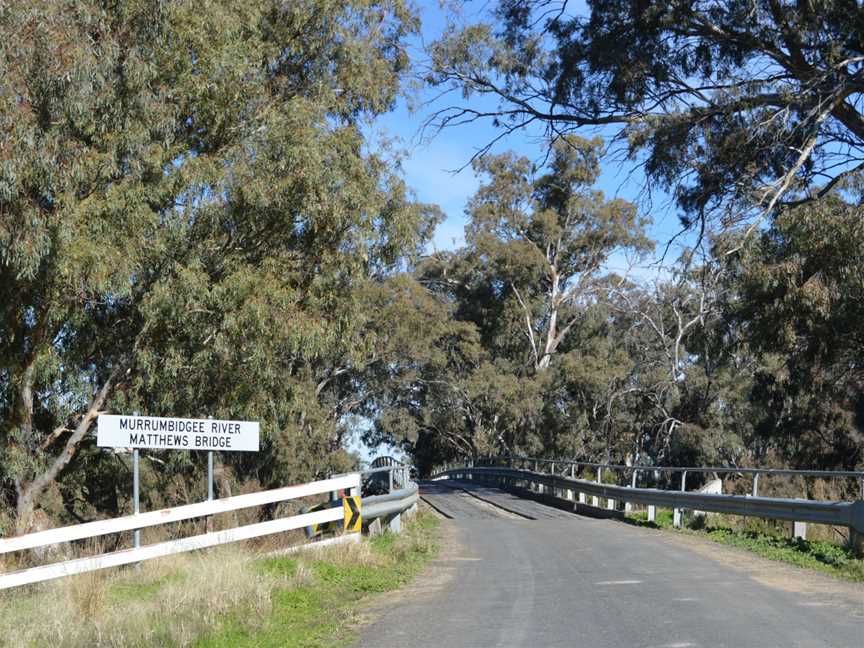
column 822, row 556
column 543, row 241
column 801, row 299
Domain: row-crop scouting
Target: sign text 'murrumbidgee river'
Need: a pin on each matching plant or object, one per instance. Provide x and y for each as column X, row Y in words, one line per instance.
column 118, row 431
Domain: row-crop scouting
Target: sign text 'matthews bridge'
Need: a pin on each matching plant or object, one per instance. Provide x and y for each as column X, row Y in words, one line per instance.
column 118, row 431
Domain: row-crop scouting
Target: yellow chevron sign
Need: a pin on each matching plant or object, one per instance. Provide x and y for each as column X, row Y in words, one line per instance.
column 353, row 520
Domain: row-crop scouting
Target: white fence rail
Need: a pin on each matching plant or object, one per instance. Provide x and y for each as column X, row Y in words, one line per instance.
column 350, row 482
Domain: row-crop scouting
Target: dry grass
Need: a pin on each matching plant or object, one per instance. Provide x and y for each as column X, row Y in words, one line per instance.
column 349, row 553
column 166, row 602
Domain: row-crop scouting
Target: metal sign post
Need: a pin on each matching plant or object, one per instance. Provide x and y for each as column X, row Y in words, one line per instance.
column 209, row 475
column 209, row 471
column 136, row 491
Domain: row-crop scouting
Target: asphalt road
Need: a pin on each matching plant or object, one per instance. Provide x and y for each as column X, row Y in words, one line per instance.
column 565, row 580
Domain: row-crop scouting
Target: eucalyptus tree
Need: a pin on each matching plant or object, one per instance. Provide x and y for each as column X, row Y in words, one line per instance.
column 187, row 208
column 520, row 295
column 799, row 304
column 544, row 239
column 440, row 393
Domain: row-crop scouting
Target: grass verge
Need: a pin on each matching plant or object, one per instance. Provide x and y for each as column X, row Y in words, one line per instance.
column 825, row 557
column 220, row 598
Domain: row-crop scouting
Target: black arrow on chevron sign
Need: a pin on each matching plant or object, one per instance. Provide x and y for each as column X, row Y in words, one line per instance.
column 352, row 513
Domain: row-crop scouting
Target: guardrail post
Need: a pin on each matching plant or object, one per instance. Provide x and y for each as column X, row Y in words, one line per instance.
column 552, row 472
column 755, row 484
column 799, row 530
column 856, row 542
column 571, row 494
column 610, row 504
column 595, row 501
column 628, row 507
column 395, row 523
column 678, row 514
column 652, row 512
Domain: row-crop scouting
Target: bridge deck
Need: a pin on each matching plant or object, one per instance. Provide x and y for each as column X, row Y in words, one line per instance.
column 441, row 494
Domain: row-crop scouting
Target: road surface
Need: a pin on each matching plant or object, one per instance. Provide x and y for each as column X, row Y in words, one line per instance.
column 513, row 573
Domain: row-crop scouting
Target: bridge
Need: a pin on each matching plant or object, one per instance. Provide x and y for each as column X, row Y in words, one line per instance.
column 516, row 572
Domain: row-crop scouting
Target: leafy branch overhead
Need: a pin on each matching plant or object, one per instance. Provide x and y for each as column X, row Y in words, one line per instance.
column 738, row 108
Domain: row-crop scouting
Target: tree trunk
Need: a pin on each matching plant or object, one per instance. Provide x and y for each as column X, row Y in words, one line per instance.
column 25, row 400
column 552, row 332
column 30, row 491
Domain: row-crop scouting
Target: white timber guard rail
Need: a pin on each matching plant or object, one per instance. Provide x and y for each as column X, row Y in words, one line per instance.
column 847, row 514
column 350, row 483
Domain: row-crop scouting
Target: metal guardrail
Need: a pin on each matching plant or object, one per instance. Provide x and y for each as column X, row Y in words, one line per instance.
column 395, row 503
column 694, row 469
column 401, row 497
column 848, row 514
column 634, row 472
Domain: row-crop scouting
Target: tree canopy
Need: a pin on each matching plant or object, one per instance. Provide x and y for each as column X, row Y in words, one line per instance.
column 188, row 213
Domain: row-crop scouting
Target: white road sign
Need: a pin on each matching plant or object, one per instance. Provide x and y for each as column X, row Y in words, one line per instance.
column 118, row 431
